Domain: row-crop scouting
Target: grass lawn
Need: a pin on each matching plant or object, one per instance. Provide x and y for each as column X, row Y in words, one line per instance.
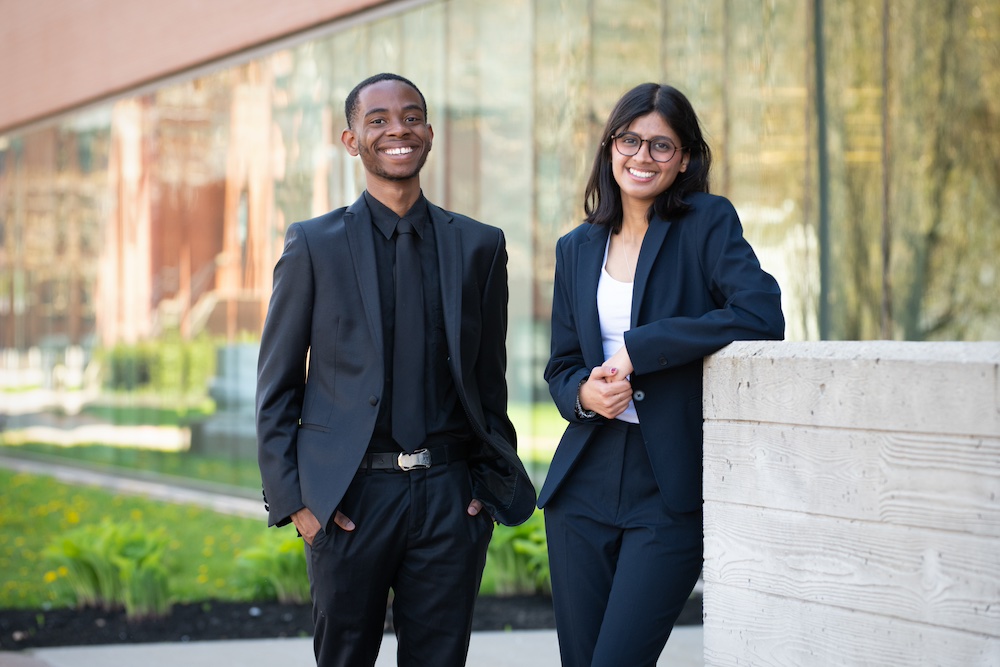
column 36, row 510
column 204, row 545
column 537, row 420
column 203, row 548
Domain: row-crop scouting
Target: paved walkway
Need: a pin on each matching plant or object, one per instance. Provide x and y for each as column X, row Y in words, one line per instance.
column 158, row 488
column 522, row 648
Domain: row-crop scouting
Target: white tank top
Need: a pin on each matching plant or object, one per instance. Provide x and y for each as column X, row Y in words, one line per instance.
column 614, row 308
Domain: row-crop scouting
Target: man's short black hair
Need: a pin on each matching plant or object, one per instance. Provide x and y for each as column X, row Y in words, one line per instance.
column 351, row 104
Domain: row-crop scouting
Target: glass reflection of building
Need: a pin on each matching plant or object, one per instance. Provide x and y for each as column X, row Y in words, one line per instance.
column 138, row 235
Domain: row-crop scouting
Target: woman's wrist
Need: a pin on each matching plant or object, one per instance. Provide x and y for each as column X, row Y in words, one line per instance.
column 581, row 412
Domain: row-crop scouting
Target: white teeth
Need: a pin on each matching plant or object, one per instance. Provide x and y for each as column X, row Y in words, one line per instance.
column 398, row 151
column 641, row 174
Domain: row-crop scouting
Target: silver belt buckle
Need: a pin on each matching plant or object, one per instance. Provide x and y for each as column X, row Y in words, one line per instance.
column 418, row 459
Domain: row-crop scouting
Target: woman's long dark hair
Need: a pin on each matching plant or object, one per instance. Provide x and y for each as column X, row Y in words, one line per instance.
column 603, row 198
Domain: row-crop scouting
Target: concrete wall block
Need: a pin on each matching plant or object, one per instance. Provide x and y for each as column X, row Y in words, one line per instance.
column 923, row 387
column 947, row 482
column 744, row 627
column 852, row 504
column 942, row 578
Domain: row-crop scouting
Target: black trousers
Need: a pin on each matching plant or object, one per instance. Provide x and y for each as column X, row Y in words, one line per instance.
column 622, row 564
column 414, row 536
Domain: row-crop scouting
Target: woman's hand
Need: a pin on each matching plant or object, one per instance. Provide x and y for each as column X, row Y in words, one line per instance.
column 606, row 392
column 619, row 365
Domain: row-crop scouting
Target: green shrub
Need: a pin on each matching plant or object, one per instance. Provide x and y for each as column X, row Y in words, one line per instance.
column 169, row 365
column 80, row 581
column 145, row 587
column 518, row 561
column 127, row 366
column 114, row 565
column 275, row 568
column 37, row 511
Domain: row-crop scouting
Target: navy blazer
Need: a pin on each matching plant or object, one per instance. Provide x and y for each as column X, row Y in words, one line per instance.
column 698, row 287
column 312, row 434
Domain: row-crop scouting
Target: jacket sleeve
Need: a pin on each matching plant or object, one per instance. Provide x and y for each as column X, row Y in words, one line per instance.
column 566, row 366
column 498, row 476
column 747, row 299
column 491, row 367
column 281, row 377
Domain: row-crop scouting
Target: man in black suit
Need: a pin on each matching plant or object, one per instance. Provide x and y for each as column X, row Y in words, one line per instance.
column 381, row 399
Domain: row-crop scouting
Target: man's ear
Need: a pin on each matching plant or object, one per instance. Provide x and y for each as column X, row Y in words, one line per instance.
column 350, row 141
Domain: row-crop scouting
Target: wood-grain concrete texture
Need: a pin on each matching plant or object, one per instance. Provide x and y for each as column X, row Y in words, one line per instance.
column 852, row 504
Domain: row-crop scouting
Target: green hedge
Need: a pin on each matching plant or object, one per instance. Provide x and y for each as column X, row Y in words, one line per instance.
column 167, row 365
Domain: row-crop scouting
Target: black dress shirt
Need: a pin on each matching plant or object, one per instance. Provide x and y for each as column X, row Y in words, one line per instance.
column 444, row 416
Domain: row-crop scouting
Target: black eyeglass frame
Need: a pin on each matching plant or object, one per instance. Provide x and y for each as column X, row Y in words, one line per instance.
column 615, row 137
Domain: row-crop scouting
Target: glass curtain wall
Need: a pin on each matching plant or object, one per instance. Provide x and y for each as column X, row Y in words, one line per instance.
column 858, row 141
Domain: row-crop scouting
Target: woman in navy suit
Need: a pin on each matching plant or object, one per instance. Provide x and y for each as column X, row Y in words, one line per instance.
column 657, row 277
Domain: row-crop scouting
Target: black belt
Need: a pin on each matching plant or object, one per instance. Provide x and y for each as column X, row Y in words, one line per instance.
column 421, row 458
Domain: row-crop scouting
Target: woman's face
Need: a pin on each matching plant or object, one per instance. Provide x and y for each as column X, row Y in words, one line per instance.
column 640, row 177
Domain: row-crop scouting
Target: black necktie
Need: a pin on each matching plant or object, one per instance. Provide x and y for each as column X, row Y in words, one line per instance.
column 408, row 427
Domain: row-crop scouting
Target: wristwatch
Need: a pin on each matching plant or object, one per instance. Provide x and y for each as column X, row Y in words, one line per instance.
column 580, row 412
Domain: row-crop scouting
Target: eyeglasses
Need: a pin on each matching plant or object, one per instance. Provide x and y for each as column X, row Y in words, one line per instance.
column 660, row 148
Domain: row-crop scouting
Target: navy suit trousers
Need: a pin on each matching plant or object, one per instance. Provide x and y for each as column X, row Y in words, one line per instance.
column 622, row 564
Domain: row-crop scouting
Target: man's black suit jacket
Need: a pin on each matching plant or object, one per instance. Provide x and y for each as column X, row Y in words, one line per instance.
column 320, row 373
column 698, row 287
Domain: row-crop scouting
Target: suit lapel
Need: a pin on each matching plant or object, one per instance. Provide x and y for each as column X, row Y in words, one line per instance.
column 651, row 244
column 448, row 239
column 588, row 274
column 357, row 220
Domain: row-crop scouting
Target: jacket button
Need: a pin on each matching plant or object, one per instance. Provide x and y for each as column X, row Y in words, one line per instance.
column 663, row 360
column 373, row 400
column 638, row 395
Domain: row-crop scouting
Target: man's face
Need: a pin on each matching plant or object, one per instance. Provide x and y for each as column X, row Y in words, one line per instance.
column 390, row 132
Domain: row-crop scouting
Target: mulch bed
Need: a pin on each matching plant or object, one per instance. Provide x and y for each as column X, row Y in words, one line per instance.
column 20, row 629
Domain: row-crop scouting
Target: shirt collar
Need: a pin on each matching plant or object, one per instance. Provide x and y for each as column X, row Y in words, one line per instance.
column 385, row 219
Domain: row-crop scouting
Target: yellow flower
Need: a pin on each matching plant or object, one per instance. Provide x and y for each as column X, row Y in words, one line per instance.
column 136, row 515
column 72, row 516
column 50, row 576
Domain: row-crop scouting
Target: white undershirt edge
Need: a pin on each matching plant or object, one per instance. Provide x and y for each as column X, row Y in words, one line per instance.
column 614, row 308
